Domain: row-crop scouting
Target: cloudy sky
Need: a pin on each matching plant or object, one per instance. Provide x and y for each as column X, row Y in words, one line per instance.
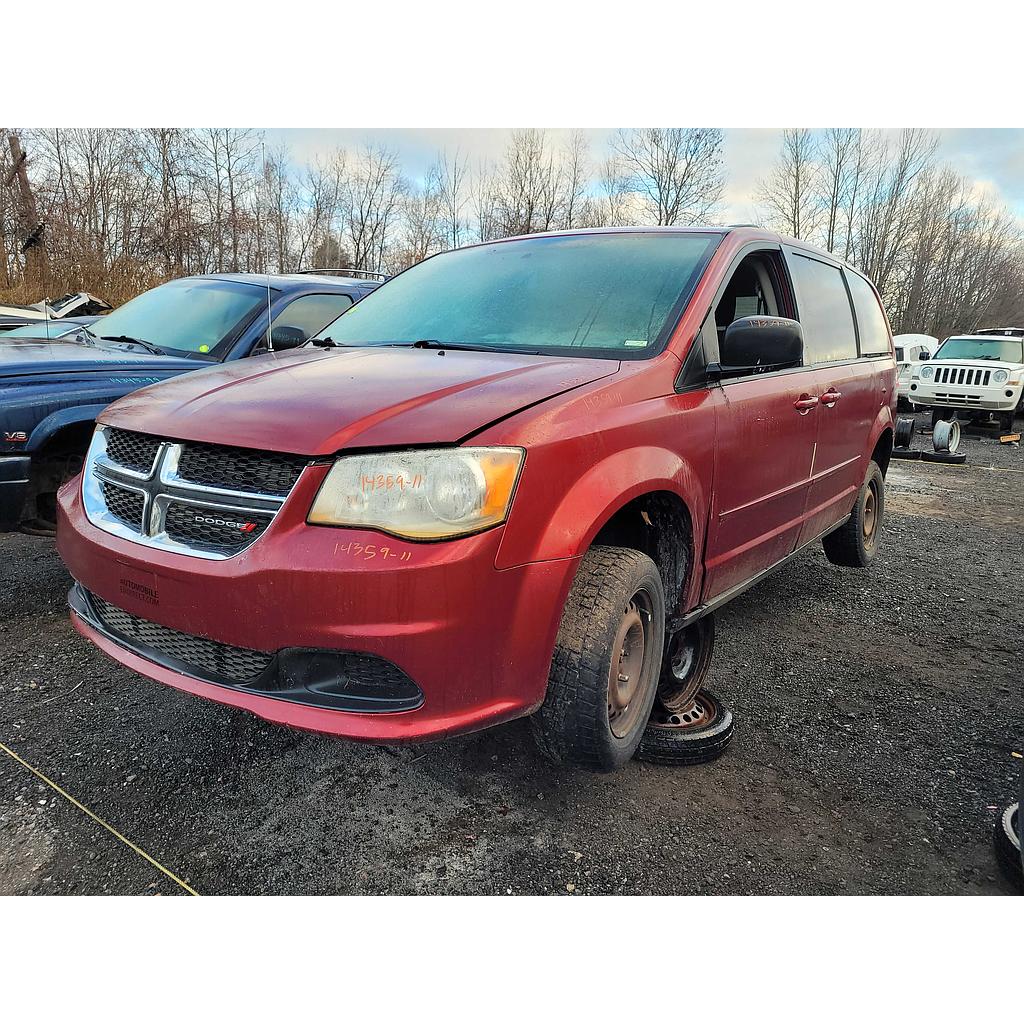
column 994, row 158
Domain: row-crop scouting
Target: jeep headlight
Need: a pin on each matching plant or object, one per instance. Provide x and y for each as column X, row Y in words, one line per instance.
column 430, row 494
column 1000, row 377
column 927, row 372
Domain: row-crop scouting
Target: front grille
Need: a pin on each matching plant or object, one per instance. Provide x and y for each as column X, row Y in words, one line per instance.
column 136, row 451
column 207, row 500
column 239, row 469
column 213, row 529
column 124, row 504
column 238, row 664
column 969, row 376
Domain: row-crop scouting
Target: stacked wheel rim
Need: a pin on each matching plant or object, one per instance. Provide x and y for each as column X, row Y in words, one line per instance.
column 946, row 436
column 904, row 437
column 695, row 735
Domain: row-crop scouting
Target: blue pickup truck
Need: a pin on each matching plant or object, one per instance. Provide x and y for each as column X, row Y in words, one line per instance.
column 51, row 390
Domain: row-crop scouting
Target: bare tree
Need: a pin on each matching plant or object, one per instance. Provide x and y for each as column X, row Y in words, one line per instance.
column 447, row 179
column 371, row 202
column 789, row 195
column 839, row 154
column 675, row 172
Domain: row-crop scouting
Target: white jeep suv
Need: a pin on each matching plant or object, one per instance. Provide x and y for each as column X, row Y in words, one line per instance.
column 972, row 374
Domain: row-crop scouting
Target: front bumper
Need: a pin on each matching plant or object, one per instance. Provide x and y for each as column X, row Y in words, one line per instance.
column 476, row 641
column 994, row 398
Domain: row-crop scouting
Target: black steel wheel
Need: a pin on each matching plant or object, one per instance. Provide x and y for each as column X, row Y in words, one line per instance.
column 688, row 654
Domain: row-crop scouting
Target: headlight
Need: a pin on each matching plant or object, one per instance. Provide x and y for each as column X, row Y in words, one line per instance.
column 431, row 494
column 1000, row 377
column 927, row 372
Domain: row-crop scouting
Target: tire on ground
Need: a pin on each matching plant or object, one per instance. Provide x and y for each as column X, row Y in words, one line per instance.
column 850, row 545
column 1007, row 843
column 573, row 725
column 695, row 737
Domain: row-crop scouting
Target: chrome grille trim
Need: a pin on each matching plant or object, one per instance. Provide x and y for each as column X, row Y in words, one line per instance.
column 161, row 487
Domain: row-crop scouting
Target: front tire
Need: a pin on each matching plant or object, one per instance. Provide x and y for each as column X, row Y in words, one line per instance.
column 855, row 543
column 606, row 663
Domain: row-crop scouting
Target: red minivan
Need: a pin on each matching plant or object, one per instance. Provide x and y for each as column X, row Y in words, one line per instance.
column 514, row 480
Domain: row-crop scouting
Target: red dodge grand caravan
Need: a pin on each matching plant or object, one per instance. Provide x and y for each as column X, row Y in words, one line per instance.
column 514, row 480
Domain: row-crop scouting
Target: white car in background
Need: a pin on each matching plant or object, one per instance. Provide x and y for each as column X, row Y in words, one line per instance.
column 973, row 375
column 910, row 350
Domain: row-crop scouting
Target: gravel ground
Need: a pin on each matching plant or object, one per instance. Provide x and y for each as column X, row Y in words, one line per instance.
column 876, row 714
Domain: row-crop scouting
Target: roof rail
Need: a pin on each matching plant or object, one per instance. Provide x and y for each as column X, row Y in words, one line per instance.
column 343, row 272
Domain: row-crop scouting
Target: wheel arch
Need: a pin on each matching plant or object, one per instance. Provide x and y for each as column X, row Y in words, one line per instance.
column 640, row 497
column 64, row 423
column 880, row 444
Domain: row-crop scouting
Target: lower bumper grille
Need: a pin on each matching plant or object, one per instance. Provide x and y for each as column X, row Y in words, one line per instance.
column 337, row 680
column 238, row 664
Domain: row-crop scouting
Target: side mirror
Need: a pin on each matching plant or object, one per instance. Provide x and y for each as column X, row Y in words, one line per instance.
column 924, row 357
column 285, row 337
column 760, row 344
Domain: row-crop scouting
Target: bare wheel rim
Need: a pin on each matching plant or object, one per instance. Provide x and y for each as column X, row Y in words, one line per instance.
column 686, row 664
column 629, row 673
column 700, row 714
column 870, row 517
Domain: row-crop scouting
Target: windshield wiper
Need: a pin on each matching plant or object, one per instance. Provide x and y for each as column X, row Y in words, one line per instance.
column 125, row 339
column 329, row 343
column 434, row 344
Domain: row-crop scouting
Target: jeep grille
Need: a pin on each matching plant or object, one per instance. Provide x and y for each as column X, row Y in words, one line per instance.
column 969, row 376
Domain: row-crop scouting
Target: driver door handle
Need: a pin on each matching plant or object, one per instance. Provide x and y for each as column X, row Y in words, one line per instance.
column 804, row 404
column 831, row 397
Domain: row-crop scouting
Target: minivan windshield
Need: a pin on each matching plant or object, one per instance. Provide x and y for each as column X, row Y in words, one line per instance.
column 616, row 294
column 1003, row 350
column 194, row 317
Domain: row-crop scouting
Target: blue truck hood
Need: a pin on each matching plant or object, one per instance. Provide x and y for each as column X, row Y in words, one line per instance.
column 28, row 357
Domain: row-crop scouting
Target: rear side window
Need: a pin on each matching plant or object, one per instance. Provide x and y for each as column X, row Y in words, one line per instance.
column 825, row 313
column 874, row 335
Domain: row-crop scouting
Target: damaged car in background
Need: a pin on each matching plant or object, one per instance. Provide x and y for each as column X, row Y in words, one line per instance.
column 54, row 382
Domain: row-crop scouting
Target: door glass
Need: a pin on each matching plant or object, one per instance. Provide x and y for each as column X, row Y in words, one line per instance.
column 874, row 335
column 825, row 313
column 311, row 313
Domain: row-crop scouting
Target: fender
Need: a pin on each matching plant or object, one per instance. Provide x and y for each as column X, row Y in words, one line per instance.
column 883, row 422
column 586, row 505
column 50, row 425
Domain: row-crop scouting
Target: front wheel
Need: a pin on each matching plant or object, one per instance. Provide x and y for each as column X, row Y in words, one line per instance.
column 855, row 543
column 606, row 663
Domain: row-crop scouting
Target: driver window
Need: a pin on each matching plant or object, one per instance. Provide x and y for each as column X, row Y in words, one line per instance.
column 750, row 292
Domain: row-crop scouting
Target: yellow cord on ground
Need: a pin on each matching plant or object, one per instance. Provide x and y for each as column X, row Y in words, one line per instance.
column 95, row 817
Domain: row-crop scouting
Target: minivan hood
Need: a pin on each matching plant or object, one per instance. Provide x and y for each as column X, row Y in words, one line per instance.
column 24, row 356
column 318, row 401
